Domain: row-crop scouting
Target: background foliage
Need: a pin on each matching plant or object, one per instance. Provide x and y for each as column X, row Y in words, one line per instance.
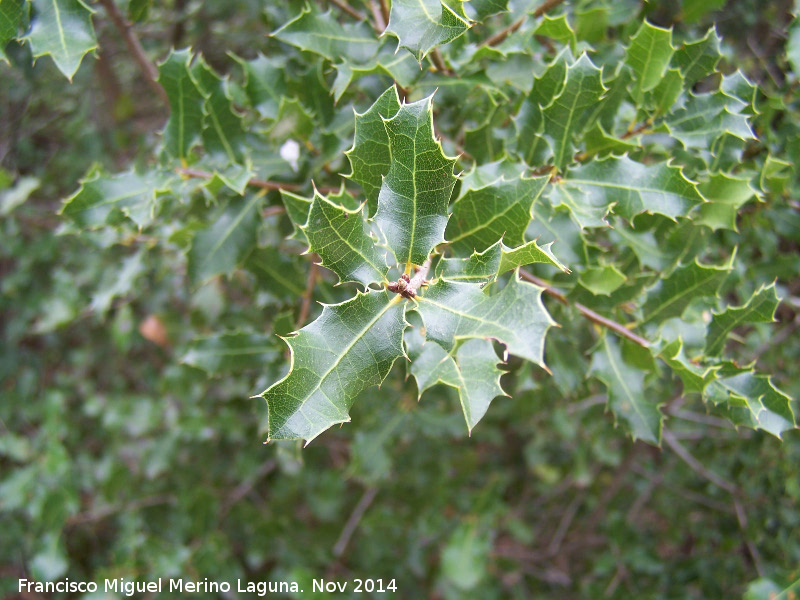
column 135, row 326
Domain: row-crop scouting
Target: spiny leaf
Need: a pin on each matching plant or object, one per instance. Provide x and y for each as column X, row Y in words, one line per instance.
column 280, row 274
column 185, row 124
column 297, row 208
column 342, row 239
column 230, row 352
column 349, row 348
column 760, row 308
column 705, row 117
column 486, row 8
column 557, row 28
column 322, row 34
column 412, row 204
column 670, row 296
column 471, row 369
column 602, row 280
column 630, row 188
column 227, row 242
column 726, row 194
column 63, row 29
column 697, row 60
column 648, row 54
column 370, row 156
column 488, row 265
column 481, row 216
column 695, row 377
column 10, row 17
column 421, row 25
column 265, row 83
column 400, row 67
column 515, row 316
column 627, row 396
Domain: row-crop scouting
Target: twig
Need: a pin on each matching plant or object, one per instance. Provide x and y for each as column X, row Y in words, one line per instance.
column 501, row 35
column 695, row 465
column 305, row 306
column 245, row 487
column 751, row 548
column 352, row 523
column 345, row 7
column 587, row 312
column 438, row 62
column 379, row 23
column 271, row 211
column 255, row 182
column 126, row 31
column 563, row 525
column 384, row 10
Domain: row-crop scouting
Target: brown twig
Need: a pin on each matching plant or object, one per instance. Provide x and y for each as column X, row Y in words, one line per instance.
column 384, row 10
column 345, row 7
column 438, row 62
column 255, row 182
column 271, row 211
column 148, row 69
column 379, row 22
column 352, row 523
column 305, row 306
column 245, row 487
column 695, row 465
column 501, row 35
column 586, row 312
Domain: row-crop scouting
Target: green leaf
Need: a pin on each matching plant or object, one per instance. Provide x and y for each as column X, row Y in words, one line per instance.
column 349, row 348
column 471, row 369
column 297, row 208
column 370, row 156
column 726, row 195
column 582, row 89
column 695, row 377
column 486, row 266
column 694, row 10
column 227, row 242
column 10, row 17
column 139, row 9
column 628, row 187
column 100, row 195
column 502, row 209
column 63, row 29
column 515, row 316
column 412, row 204
column 649, row 55
column 667, row 92
column 760, row 308
column 486, row 8
column 265, row 83
column 627, row 396
column 705, row 117
column 224, row 132
column 421, row 25
column 400, row 67
column 279, row 274
column 597, row 142
column 602, row 280
column 557, row 28
column 343, row 240
column 793, row 46
column 322, row 34
column 670, row 296
column 185, row 124
column 697, row 60
column 230, row 352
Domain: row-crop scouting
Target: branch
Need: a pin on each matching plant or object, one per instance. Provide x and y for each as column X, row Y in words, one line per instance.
column 345, row 7
column 305, row 306
column 695, row 465
column 620, row 330
column 124, row 28
column 379, row 23
column 501, row 35
column 259, row 183
column 352, row 523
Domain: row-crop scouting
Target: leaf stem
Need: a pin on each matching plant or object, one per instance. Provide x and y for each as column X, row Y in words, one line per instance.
column 617, row 328
column 124, row 28
column 420, row 276
column 345, row 7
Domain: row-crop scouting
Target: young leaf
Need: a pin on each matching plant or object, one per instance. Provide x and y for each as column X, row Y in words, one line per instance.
column 185, row 124
column 486, row 266
column 483, row 215
column 10, row 17
column 421, row 25
column 349, row 348
column 471, row 369
column 649, row 55
column 342, row 239
column 412, row 204
column 515, row 316
column 627, row 396
column 370, row 156
column 63, row 29
column 697, row 60
column 760, row 308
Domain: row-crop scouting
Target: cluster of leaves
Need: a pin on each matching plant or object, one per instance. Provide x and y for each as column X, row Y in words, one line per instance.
column 622, row 167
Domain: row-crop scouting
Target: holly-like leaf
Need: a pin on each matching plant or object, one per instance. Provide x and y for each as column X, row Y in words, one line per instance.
column 515, row 316
column 649, row 55
column 627, row 397
column 502, row 209
column 626, row 186
column 230, row 352
column 100, row 195
column 412, row 204
column 265, row 83
column 602, row 280
column 349, row 348
column 582, row 89
column 370, row 156
column 670, row 296
column 486, row 266
column 726, row 194
column 297, row 208
column 342, row 239
column 322, row 34
column 227, row 242
column 401, row 67
column 697, row 60
column 10, row 17
column 63, row 29
column 760, row 308
column 421, row 25
column 695, row 377
column 703, row 118
column 281, row 275
column 185, row 124
column 480, row 9
column 471, row 369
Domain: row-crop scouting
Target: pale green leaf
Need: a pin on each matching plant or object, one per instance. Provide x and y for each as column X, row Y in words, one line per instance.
column 501, row 209
column 412, row 204
column 602, row 280
column 627, row 397
column 63, row 29
column 695, row 377
column 793, row 46
column 10, row 18
column 18, row 194
column 705, row 117
column 669, row 89
column 759, row 308
column 697, row 60
column 349, row 348
column 226, row 243
column 343, row 241
column 370, row 156
column 480, row 9
column 557, row 28
column 185, row 124
column 121, row 283
column 421, row 25
column 297, row 208
column 596, row 142
column 726, row 194
column 649, row 55
column 230, row 352
column 515, row 316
